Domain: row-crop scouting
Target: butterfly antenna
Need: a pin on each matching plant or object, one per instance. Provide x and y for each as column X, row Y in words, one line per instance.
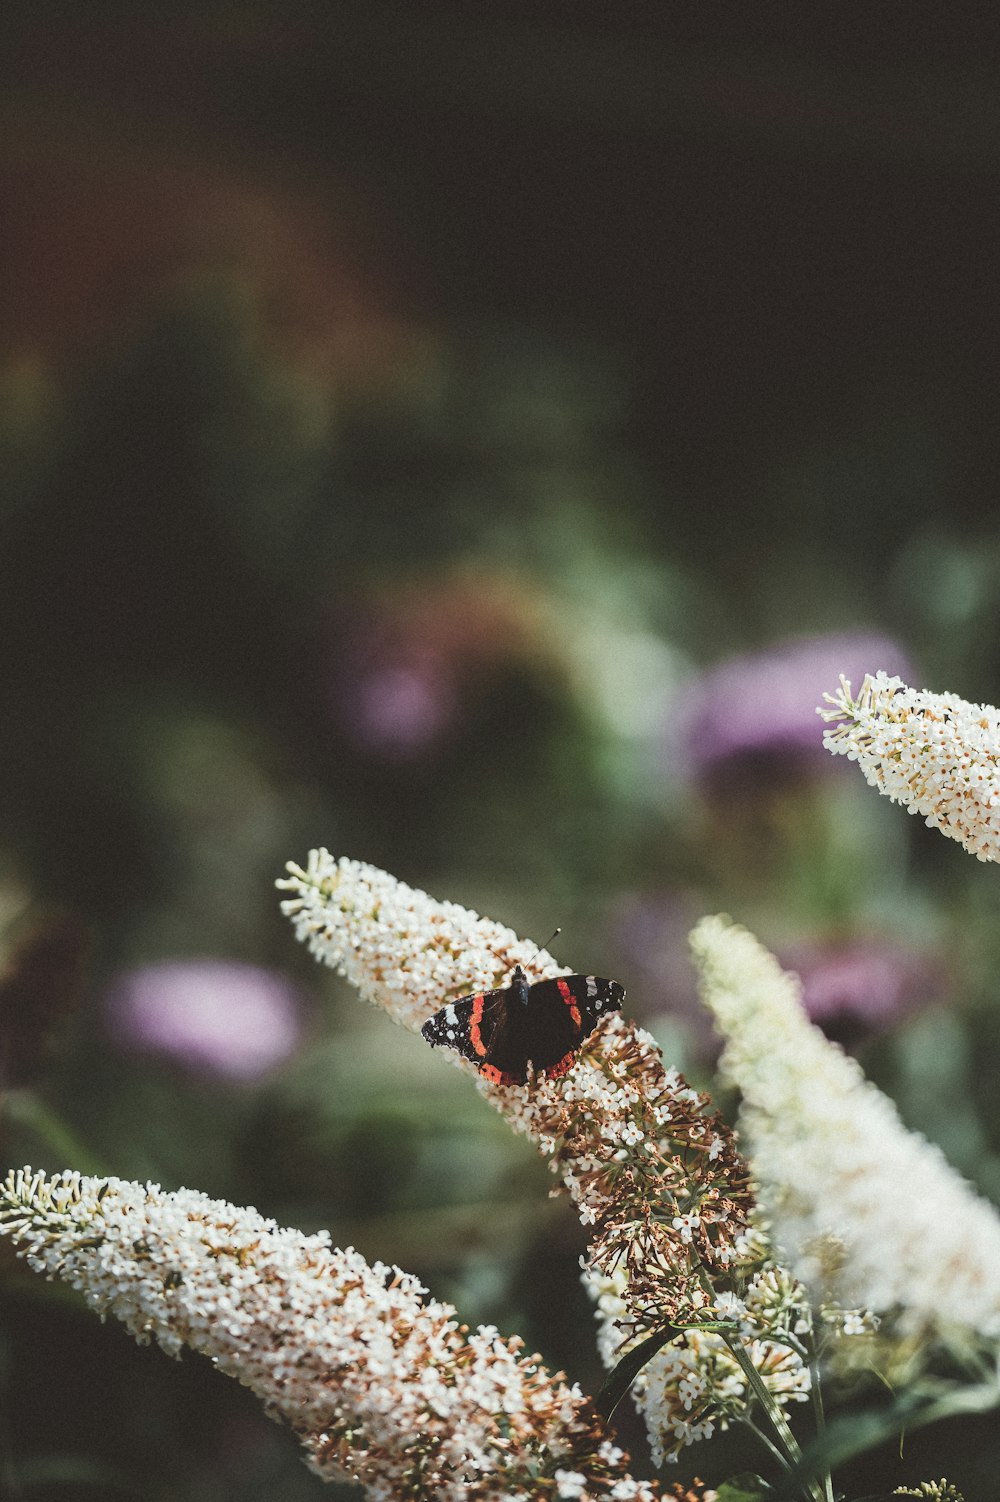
column 539, row 947
column 553, row 935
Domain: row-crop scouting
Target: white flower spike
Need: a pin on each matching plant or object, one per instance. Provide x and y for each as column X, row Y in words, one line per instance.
column 937, row 754
column 618, row 1108
column 652, row 1168
column 381, row 1384
column 866, row 1209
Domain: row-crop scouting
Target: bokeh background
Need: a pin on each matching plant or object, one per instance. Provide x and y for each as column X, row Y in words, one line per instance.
column 472, row 439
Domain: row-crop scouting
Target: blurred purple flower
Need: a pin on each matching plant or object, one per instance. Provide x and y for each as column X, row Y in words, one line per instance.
column 851, row 988
column 403, row 660
column 652, row 931
column 401, row 708
column 215, row 1016
column 863, row 985
column 755, row 710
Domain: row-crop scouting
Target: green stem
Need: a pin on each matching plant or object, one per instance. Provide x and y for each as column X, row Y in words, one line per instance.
column 779, row 1423
column 816, row 1393
column 768, row 1443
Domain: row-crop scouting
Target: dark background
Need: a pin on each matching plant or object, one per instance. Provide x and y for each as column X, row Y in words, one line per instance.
column 403, row 409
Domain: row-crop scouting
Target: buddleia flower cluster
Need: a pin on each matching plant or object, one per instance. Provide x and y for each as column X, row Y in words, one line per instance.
column 651, row 1166
column 696, row 1384
column 935, row 753
column 869, row 1213
column 381, row 1384
column 931, row 1491
column 654, row 1171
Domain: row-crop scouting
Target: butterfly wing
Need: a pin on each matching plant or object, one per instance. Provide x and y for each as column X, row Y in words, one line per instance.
column 470, row 1026
column 559, row 1015
column 595, row 998
column 502, row 1036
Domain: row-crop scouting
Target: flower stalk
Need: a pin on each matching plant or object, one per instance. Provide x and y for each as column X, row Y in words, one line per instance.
column 654, row 1171
column 937, row 754
column 855, row 1200
column 650, row 1164
column 381, row 1384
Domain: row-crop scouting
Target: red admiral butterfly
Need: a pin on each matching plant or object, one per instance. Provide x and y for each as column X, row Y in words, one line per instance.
column 502, row 1031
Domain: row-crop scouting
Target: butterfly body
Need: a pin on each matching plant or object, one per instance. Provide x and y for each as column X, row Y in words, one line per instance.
column 522, row 1025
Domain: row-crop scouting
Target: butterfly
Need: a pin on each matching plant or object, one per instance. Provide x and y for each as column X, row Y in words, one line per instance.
column 543, row 1024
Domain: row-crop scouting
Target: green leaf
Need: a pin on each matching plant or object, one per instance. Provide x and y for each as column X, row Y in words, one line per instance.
column 852, row 1434
column 624, row 1374
column 620, row 1379
column 744, row 1488
column 714, row 1325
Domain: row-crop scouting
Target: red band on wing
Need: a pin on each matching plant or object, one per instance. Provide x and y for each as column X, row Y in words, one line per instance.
column 497, row 1076
column 562, row 1066
column 474, row 1035
column 574, row 1010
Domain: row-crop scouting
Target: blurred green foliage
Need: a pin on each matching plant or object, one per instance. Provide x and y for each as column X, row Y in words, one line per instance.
column 382, row 460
